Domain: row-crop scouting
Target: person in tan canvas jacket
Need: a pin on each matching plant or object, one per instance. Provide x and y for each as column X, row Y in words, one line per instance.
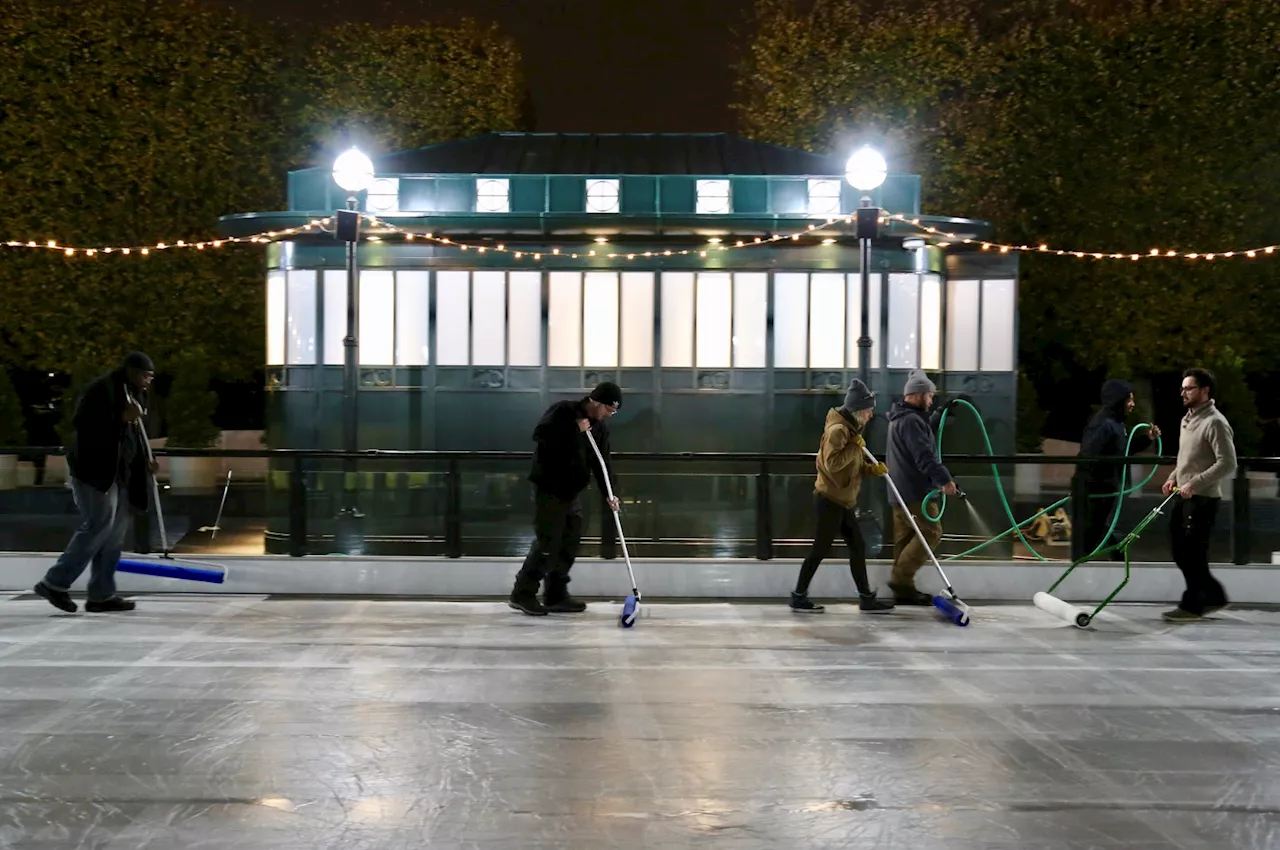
column 841, row 464
column 1206, row 459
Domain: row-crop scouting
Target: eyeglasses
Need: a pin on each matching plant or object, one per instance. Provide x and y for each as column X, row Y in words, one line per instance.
column 1190, row 389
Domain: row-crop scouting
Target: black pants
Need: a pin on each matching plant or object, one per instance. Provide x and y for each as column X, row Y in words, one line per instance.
column 833, row 518
column 1189, row 530
column 557, row 526
column 1098, row 516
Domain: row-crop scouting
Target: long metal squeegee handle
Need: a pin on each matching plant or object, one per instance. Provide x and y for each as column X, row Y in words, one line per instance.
column 155, row 488
column 617, row 523
column 912, row 520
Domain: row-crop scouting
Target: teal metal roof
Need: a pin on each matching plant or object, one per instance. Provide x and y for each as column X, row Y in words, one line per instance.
column 703, row 154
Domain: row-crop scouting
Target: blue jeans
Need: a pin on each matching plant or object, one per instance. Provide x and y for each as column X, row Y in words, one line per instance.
column 104, row 521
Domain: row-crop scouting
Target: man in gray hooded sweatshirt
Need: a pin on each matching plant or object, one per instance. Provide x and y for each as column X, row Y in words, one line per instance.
column 916, row 472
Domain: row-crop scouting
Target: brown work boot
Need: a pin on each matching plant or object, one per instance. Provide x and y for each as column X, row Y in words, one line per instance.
column 906, row 594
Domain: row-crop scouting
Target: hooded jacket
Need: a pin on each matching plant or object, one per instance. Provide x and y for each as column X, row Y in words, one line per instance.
column 841, row 462
column 104, row 450
column 1105, row 436
column 563, row 461
column 913, row 466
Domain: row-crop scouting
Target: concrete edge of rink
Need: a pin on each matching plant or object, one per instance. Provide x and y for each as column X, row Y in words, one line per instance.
column 670, row 578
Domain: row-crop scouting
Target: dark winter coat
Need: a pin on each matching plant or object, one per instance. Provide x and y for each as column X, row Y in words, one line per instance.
column 1105, row 436
column 104, row 450
column 912, row 459
column 563, row 462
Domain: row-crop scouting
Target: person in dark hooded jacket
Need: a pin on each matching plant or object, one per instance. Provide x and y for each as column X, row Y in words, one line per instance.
column 1105, row 436
column 109, row 466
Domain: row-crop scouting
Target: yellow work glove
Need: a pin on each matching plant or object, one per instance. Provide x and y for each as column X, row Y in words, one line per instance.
column 859, row 442
column 878, row 469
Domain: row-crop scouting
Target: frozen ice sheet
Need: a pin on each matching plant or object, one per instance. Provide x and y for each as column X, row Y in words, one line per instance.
column 246, row 723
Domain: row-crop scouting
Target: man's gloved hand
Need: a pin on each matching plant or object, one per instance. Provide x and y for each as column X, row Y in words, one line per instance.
column 878, row 469
column 859, row 442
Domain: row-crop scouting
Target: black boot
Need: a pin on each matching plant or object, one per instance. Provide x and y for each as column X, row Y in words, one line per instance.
column 558, row 601
column 867, row 602
column 801, row 603
column 57, row 598
column 108, row 606
column 524, row 597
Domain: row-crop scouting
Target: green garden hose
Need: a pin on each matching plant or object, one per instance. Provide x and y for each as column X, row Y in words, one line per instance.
column 1017, row 526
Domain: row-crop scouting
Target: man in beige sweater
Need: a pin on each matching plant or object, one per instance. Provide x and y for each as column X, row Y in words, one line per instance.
column 1206, row 459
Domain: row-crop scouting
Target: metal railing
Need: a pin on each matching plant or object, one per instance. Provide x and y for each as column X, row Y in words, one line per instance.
column 301, row 467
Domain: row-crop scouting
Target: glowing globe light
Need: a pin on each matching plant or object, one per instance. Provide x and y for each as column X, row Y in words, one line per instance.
column 353, row 171
column 866, row 169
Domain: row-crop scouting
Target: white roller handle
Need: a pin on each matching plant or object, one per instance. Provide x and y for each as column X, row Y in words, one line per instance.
column 617, row 523
column 1062, row 610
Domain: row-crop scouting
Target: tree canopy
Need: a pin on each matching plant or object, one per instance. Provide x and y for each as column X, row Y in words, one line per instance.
column 1080, row 124
column 134, row 122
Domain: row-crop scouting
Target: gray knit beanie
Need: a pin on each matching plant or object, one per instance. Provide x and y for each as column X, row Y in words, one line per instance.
column 858, row 397
column 918, row 382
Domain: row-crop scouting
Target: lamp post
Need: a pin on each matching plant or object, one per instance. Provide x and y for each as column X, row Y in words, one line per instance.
column 865, row 171
column 352, row 171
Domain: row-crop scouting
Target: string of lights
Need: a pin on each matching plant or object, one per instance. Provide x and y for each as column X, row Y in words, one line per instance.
column 714, row 244
column 946, row 239
column 941, row 238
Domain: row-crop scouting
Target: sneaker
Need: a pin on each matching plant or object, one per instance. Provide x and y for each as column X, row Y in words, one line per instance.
column 867, row 602
column 528, row 603
column 107, row 606
column 801, row 603
column 1180, row 615
column 906, row 594
column 563, row 604
column 57, row 598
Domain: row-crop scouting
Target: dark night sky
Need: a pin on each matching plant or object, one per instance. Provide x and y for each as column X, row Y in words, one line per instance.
column 592, row 65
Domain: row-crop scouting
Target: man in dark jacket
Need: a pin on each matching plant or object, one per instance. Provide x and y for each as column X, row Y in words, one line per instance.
column 563, row 464
column 1105, row 436
column 916, row 472
column 109, row 467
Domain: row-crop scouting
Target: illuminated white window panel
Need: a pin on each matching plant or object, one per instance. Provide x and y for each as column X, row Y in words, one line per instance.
column 824, row 197
column 677, row 320
column 827, row 320
column 377, row 318
column 962, row 326
column 904, row 321
column 714, row 197
column 790, row 320
column 603, row 196
column 637, row 319
column 930, row 322
column 453, row 318
column 750, row 318
column 412, row 318
column 489, row 319
column 493, row 195
column 564, row 319
column 998, row 339
column 335, row 316
column 524, row 319
column 714, row 317
column 600, row 319
column 855, row 320
column 275, row 318
column 384, row 196
column 300, row 304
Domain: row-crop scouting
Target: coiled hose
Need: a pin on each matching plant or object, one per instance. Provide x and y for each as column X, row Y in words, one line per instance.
column 1016, row 528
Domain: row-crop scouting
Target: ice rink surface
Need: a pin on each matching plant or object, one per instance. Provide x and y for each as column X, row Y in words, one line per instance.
column 250, row 722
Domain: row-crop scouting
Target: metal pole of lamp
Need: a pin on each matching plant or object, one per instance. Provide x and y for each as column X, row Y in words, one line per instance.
column 867, row 228
column 350, row 537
